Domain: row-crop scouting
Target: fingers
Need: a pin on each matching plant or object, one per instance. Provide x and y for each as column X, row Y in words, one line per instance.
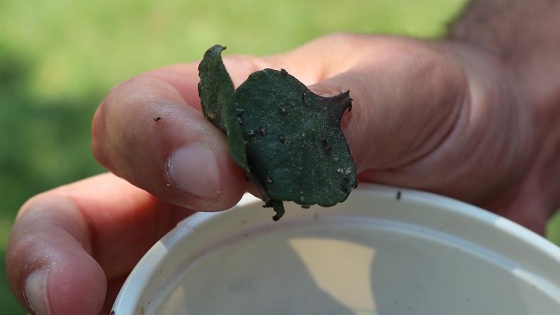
column 151, row 132
column 68, row 244
column 420, row 111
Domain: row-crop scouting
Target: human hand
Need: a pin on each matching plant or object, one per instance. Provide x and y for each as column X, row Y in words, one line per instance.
column 426, row 115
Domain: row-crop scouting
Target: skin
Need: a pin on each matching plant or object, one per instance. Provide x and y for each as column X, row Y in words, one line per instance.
column 449, row 117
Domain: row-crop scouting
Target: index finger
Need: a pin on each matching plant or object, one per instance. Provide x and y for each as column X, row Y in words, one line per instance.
column 150, row 131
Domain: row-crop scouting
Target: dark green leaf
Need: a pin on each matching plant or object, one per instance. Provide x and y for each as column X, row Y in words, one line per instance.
column 286, row 137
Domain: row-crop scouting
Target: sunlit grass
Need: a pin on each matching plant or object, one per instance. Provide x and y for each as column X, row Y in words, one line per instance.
column 77, row 45
column 553, row 231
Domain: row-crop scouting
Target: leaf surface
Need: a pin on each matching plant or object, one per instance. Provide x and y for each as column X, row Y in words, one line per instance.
column 286, row 137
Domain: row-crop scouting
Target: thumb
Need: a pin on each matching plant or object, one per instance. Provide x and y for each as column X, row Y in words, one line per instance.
column 404, row 105
column 430, row 116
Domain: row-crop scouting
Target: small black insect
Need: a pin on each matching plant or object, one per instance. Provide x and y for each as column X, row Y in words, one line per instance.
column 326, row 145
column 157, row 118
column 282, row 139
column 399, row 195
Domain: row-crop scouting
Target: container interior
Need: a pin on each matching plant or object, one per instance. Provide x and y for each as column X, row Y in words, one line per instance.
column 384, row 251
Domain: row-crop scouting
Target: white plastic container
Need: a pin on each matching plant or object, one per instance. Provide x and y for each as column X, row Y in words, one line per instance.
column 384, row 251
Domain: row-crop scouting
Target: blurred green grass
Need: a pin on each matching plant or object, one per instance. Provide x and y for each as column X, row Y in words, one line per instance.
column 59, row 58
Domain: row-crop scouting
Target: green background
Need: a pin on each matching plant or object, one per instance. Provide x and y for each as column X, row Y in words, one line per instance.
column 59, row 58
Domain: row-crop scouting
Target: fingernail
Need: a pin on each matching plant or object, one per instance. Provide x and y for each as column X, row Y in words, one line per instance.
column 194, row 170
column 36, row 292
